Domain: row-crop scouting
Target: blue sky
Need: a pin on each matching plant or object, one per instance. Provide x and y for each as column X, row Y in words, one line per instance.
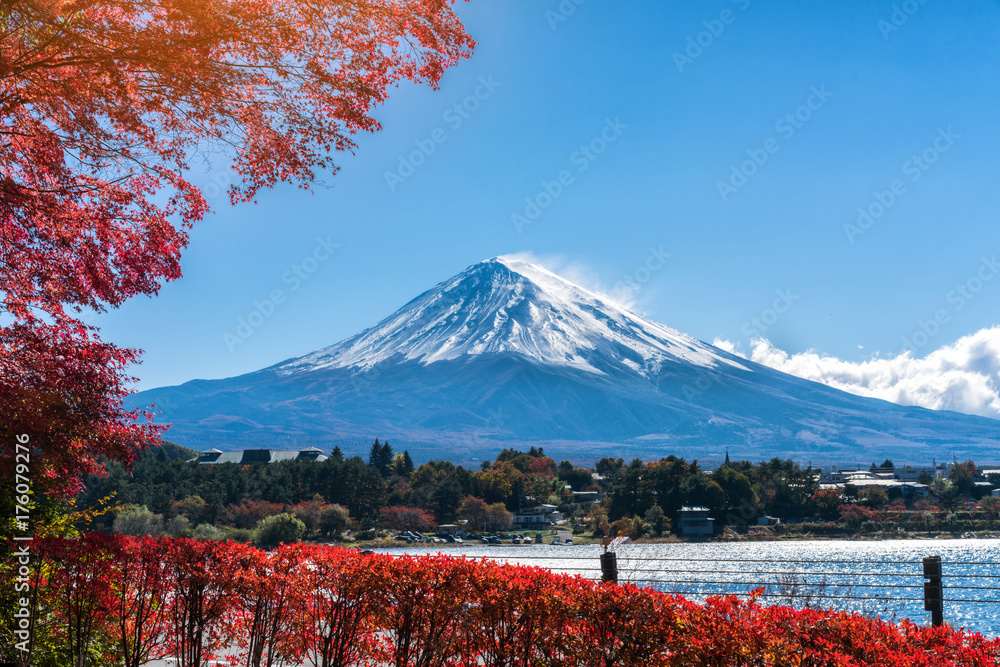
column 830, row 103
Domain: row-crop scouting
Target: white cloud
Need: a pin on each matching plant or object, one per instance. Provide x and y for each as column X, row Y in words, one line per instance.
column 579, row 273
column 964, row 377
column 727, row 346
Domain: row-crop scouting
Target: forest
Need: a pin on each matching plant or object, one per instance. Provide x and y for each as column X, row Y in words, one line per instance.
column 167, row 493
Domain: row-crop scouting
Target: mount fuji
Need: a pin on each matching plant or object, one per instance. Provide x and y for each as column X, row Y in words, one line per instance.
column 507, row 353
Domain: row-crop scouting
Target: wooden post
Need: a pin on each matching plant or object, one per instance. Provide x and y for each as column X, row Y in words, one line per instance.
column 934, row 590
column 609, row 567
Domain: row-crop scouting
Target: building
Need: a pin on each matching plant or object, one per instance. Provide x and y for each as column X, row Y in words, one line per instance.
column 450, row 529
column 695, row 521
column 537, row 517
column 259, row 456
column 912, row 473
column 581, row 497
column 906, row 489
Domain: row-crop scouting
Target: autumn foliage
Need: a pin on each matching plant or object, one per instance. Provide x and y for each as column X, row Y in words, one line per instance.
column 123, row 601
column 109, row 112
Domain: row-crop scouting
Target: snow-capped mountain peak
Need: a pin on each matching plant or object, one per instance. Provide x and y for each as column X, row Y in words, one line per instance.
column 509, row 306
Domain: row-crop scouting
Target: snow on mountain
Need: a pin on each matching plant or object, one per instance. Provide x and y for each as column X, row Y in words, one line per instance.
column 509, row 354
column 507, row 305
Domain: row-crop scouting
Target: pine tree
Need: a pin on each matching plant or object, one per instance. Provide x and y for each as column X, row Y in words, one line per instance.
column 375, row 455
column 385, row 459
column 337, row 453
column 408, row 466
column 380, row 457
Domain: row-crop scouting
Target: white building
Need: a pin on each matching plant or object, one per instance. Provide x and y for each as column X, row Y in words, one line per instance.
column 537, row 517
column 913, row 473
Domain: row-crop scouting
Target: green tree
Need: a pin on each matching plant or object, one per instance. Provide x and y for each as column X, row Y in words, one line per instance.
column 948, row 493
column 193, row 507
column 700, row 489
column 740, row 494
column 380, row 457
column 630, row 493
column 963, row 476
column 178, row 525
column 207, row 531
column 333, row 520
column 874, row 497
column 784, row 487
column 138, row 520
column 609, row 469
column 446, row 499
column 578, row 478
column 278, row 529
column 667, row 477
column 654, row 517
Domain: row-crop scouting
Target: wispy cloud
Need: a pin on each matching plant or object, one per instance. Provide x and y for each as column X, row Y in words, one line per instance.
column 579, row 273
column 964, row 376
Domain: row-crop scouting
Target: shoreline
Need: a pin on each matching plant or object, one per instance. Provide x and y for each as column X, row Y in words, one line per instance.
column 720, row 539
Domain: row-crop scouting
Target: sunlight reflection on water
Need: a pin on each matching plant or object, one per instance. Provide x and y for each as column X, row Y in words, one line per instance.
column 720, row 563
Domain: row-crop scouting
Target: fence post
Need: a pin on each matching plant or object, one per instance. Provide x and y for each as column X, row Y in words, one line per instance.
column 933, row 590
column 609, row 567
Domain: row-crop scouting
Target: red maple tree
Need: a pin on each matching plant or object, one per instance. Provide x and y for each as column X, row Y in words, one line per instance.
column 106, row 106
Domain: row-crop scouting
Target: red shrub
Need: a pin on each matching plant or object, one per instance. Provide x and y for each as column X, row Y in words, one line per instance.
column 622, row 625
column 79, row 592
column 268, row 591
column 138, row 604
column 342, row 594
column 203, row 576
column 334, row 607
column 399, row 517
column 421, row 620
column 518, row 615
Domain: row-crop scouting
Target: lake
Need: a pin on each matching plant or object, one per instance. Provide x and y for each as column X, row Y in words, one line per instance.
column 873, row 577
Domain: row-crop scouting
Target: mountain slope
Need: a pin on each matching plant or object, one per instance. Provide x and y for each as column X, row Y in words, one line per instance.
column 507, row 353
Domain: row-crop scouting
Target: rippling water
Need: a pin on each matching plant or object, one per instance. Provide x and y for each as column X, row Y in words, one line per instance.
column 875, row 578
